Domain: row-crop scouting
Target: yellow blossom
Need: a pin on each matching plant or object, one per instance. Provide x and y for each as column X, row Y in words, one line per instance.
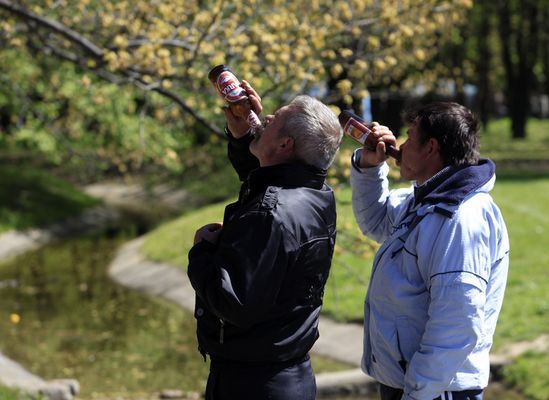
column 373, row 42
column 346, row 53
column 86, row 81
column 336, row 70
column 120, row 41
column 15, row 318
column 420, row 54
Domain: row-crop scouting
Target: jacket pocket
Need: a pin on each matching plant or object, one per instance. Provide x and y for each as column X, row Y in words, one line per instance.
column 408, row 338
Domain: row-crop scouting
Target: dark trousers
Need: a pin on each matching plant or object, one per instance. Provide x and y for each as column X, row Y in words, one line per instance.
column 389, row 393
column 279, row 381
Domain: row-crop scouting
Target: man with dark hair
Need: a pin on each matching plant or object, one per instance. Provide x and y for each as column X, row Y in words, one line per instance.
column 438, row 279
column 259, row 277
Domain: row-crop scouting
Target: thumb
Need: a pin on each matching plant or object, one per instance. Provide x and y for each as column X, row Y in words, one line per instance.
column 380, row 150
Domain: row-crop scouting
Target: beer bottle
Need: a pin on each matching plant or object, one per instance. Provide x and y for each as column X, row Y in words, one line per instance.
column 229, row 89
column 356, row 128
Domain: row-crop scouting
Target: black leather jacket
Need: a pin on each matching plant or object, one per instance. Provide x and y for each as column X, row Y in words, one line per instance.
column 259, row 290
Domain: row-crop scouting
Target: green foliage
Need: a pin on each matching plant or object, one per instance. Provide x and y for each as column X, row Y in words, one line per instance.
column 55, row 52
column 59, row 113
column 30, row 197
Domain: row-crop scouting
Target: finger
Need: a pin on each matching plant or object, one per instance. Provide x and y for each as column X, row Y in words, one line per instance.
column 256, row 104
column 229, row 116
column 375, row 123
column 228, row 112
column 254, row 97
column 214, row 227
column 250, row 90
column 380, row 150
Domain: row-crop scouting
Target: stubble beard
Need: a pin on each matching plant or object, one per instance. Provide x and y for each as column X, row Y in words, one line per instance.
column 257, row 132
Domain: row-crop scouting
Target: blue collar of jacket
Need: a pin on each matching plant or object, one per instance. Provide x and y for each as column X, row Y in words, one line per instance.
column 452, row 184
column 285, row 175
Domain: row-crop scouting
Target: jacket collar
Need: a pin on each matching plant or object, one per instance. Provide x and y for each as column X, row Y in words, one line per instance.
column 452, row 184
column 286, row 175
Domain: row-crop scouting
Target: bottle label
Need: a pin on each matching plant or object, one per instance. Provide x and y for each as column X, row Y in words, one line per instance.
column 229, row 88
column 356, row 130
column 253, row 120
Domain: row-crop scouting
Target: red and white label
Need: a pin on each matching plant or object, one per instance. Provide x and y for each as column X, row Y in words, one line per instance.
column 356, row 130
column 229, row 88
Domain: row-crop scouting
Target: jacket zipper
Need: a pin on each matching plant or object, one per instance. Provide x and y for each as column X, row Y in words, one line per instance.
column 221, row 331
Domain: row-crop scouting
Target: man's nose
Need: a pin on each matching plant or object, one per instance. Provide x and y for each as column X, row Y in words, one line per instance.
column 268, row 119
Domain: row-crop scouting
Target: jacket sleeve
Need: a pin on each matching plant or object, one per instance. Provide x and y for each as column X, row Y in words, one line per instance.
column 374, row 206
column 456, row 266
column 239, row 154
column 239, row 279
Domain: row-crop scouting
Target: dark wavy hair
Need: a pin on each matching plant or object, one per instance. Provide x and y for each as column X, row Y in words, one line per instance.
column 454, row 126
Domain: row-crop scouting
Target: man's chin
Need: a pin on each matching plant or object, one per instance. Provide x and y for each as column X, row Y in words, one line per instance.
column 257, row 132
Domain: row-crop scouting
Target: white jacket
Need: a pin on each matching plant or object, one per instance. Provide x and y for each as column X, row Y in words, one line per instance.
column 437, row 282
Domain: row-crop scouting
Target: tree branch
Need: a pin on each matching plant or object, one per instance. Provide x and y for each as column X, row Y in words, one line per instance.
column 55, row 26
column 97, row 53
column 188, row 109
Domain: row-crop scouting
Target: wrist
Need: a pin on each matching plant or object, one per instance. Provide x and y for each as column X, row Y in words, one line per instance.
column 235, row 136
column 359, row 162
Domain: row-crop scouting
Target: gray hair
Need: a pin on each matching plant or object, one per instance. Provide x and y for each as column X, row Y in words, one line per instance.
column 315, row 130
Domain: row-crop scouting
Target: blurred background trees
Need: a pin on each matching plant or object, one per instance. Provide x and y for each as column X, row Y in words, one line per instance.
column 117, row 85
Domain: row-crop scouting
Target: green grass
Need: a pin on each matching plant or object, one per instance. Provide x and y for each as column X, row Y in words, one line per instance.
column 30, row 197
column 172, row 241
column 496, row 141
column 529, row 374
column 7, row 393
column 526, row 307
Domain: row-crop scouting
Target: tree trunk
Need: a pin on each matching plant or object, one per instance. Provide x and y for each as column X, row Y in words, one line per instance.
column 544, row 42
column 483, row 66
column 519, row 53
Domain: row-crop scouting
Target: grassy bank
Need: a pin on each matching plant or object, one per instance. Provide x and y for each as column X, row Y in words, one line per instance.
column 30, row 197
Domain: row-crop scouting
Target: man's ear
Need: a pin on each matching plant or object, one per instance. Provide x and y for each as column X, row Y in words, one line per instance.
column 287, row 143
column 433, row 146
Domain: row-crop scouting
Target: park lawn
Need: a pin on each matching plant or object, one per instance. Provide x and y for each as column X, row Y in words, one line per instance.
column 496, row 142
column 30, row 197
column 522, row 202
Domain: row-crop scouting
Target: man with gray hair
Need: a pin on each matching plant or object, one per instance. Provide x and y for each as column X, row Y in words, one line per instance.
column 259, row 276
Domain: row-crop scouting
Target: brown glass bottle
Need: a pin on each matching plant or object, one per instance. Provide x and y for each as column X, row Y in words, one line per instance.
column 228, row 87
column 357, row 128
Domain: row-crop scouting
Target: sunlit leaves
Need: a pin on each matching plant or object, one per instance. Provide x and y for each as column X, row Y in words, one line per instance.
column 275, row 42
column 282, row 46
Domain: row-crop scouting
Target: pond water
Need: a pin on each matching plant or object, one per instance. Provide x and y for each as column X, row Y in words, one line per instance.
column 62, row 317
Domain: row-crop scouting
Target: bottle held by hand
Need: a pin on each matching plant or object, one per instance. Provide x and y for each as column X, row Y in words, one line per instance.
column 357, row 128
column 228, row 87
